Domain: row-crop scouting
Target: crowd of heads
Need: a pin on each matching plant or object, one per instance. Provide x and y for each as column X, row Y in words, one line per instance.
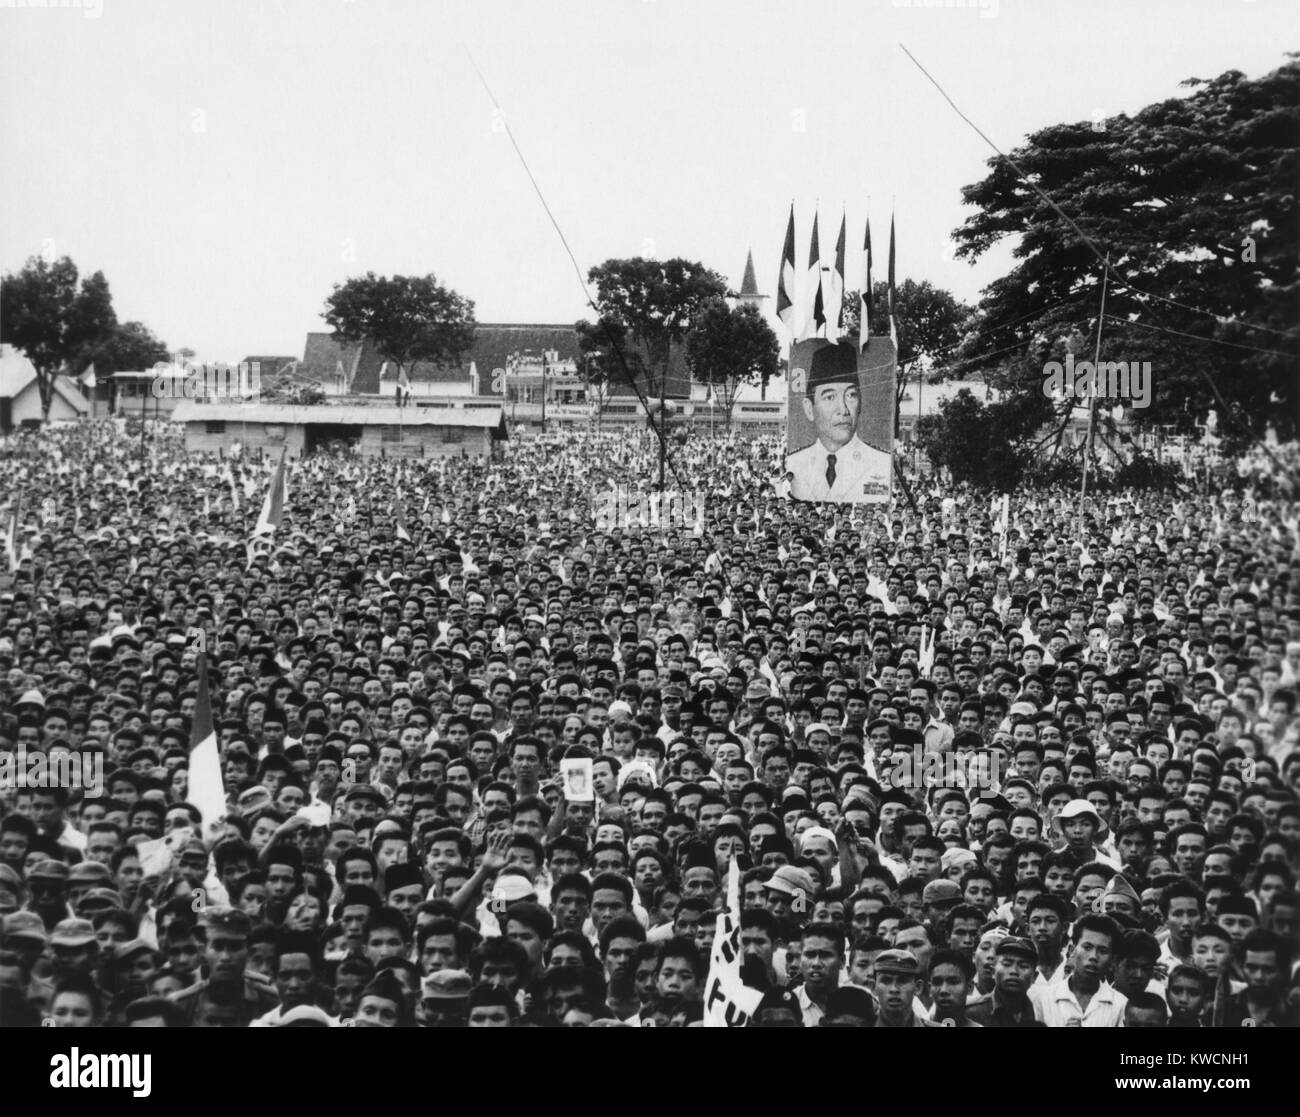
column 961, row 761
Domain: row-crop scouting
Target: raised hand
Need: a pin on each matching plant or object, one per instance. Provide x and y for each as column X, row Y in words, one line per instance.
column 494, row 857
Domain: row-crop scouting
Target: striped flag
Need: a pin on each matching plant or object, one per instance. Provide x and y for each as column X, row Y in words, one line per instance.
column 815, row 319
column 864, row 296
column 835, row 279
column 893, row 324
column 207, row 789
column 785, row 308
column 268, row 522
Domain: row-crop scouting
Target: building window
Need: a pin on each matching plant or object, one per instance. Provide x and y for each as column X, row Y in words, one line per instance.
column 453, row 434
column 214, row 426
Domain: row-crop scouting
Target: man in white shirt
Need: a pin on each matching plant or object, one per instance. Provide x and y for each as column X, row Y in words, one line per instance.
column 1085, row 999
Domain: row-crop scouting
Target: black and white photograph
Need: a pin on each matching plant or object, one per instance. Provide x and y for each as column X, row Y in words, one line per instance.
column 650, row 514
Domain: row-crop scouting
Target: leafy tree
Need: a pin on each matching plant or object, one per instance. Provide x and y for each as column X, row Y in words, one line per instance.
column 930, row 322
column 729, row 347
column 988, row 445
column 1193, row 200
column 406, row 318
column 53, row 319
column 930, row 319
column 656, row 302
column 129, row 347
column 607, row 359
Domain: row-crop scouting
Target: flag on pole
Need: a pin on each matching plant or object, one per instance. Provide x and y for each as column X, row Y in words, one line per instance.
column 11, row 533
column 815, row 317
column 835, row 296
column 728, row 1001
column 403, row 386
column 399, row 518
column 207, row 789
column 473, row 378
column 785, row 308
column 893, row 325
column 341, row 375
column 268, row 522
column 864, row 296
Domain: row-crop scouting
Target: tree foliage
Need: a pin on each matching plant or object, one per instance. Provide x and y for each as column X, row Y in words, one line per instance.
column 54, row 319
column 129, row 347
column 728, row 347
column 406, row 318
column 607, row 357
column 930, row 323
column 1193, row 199
column 987, row 445
column 930, row 319
column 656, row 302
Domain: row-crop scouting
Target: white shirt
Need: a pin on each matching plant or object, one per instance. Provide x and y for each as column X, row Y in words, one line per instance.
column 1058, row 1007
column 857, row 465
column 812, row 1013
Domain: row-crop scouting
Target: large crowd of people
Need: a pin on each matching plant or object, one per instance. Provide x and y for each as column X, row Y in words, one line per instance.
column 974, row 763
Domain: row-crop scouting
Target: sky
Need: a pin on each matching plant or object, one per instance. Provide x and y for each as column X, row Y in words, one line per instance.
column 226, row 164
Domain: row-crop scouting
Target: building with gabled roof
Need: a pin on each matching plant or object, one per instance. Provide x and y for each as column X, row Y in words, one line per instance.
column 20, row 395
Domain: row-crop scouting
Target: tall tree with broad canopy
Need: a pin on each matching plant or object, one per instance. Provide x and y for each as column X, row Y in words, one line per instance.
column 656, row 302
column 130, row 347
column 54, row 319
column 731, row 346
column 407, row 318
column 931, row 323
column 607, row 359
column 1194, row 201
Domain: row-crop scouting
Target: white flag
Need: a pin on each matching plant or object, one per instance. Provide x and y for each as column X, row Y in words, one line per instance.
column 728, row 1001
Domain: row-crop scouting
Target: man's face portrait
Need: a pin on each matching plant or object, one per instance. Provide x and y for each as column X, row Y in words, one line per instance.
column 833, row 410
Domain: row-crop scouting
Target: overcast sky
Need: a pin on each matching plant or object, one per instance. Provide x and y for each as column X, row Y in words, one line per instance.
column 225, row 164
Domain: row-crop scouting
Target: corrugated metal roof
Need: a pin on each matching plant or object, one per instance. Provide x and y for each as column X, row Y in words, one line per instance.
column 477, row 416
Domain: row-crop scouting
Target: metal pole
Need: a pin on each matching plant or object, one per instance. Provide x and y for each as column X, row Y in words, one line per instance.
column 916, row 430
column 1092, row 397
column 543, row 392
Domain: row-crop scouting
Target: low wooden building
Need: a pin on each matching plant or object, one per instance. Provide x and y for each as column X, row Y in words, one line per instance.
column 426, row 429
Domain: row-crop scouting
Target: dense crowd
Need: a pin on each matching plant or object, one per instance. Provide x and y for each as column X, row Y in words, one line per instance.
column 974, row 764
